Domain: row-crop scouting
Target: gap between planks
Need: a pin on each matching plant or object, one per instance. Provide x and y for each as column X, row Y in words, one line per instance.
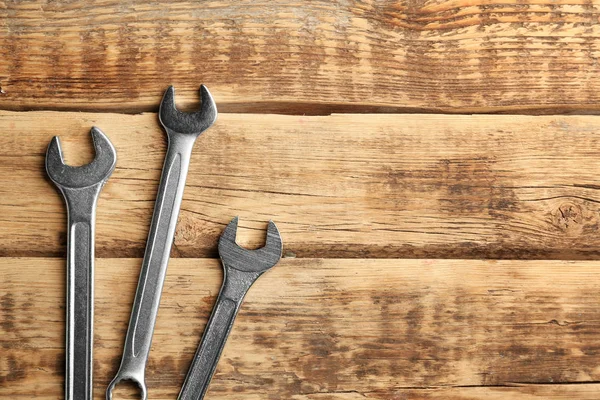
column 191, row 103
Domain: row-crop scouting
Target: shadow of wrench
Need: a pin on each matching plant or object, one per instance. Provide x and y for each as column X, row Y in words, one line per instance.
column 80, row 186
column 182, row 130
column 241, row 268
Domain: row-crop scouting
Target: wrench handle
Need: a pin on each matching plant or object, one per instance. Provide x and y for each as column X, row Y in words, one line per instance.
column 235, row 286
column 80, row 312
column 207, row 356
column 156, row 257
column 81, row 204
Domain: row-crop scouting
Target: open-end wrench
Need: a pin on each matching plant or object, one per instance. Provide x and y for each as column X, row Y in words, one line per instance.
column 241, row 268
column 80, row 186
column 182, row 130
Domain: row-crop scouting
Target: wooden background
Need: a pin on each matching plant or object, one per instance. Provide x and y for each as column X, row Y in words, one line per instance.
column 433, row 166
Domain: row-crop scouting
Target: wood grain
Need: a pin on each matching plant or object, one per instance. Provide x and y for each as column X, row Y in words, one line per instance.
column 328, row 329
column 303, row 56
column 339, row 186
column 521, row 392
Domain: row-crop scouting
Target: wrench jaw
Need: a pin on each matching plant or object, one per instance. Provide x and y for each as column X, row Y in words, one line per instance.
column 94, row 173
column 194, row 123
column 251, row 261
column 273, row 244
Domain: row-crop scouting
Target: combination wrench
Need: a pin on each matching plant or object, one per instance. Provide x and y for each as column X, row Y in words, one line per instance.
column 182, row 131
column 80, row 187
column 241, row 268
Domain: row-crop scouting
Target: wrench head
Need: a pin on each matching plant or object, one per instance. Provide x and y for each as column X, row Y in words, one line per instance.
column 139, row 381
column 193, row 123
column 98, row 171
column 259, row 260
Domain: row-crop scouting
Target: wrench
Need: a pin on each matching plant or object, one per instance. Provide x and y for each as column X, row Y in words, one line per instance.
column 241, row 268
column 80, row 187
column 182, row 130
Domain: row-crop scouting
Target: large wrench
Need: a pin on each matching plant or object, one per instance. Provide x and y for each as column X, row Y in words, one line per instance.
column 182, row 130
column 80, row 186
column 241, row 268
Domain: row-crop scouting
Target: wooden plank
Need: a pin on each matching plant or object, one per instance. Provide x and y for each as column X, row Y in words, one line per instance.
column 268, row 167
column 396, row 186
column 325, row 329
column 521, row 392
column 303, row 57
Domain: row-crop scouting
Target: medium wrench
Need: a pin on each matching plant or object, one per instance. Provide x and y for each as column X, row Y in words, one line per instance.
column 241, row 268
column 182, row 130
column 80, row 187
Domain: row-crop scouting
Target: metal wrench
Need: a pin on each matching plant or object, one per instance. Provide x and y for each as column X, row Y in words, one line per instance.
column 241, row 268
column 80, row 186
column 182, row 130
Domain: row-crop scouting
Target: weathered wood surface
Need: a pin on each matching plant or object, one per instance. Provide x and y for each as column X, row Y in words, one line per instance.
column 339, row 186
column 303, row 56
column 328, row 329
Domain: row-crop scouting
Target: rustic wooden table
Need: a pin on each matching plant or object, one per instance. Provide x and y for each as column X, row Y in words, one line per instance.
column 435, row 246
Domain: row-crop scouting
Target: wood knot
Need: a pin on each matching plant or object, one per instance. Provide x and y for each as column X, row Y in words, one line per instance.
column 569, row 218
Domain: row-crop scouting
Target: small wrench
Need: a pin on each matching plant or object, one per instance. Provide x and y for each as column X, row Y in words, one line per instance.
column 241, row 268
column 80, row 186
column 182, row 130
